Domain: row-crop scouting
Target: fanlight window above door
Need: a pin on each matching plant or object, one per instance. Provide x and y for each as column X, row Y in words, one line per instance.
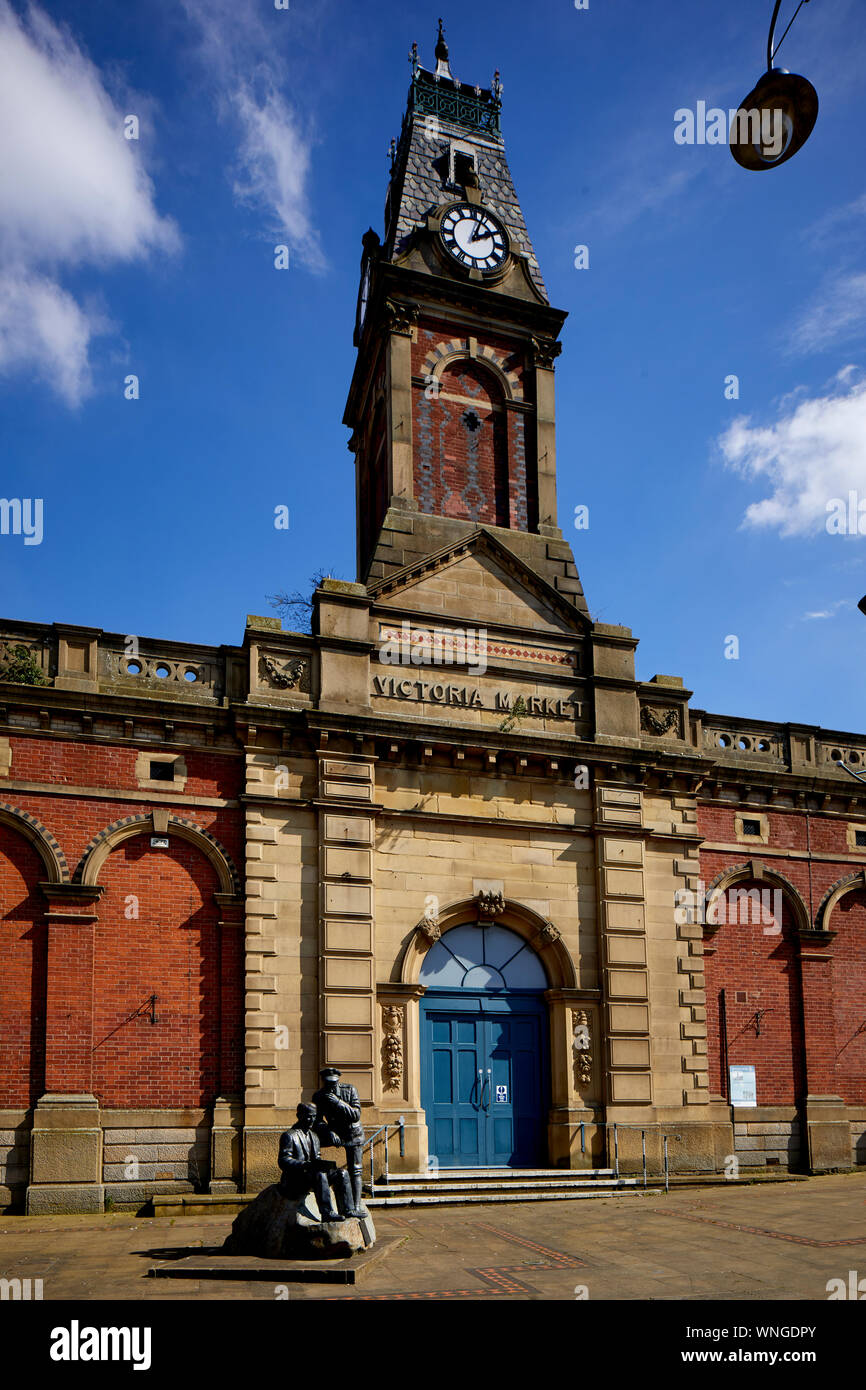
column 472, row 957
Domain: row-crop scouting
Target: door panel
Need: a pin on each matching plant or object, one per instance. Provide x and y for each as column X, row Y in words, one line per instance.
column 453, row 1113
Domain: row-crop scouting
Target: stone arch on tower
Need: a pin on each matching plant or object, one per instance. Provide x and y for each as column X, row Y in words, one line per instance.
column 446, row 354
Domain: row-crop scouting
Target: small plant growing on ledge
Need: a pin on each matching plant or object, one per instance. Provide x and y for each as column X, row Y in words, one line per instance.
column 20, row 666
column 298, row 606
column 518, row 713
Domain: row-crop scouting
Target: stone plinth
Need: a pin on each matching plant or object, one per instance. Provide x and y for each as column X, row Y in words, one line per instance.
column 274, row 1226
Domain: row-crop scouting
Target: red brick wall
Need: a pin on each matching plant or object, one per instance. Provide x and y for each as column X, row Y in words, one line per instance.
column 173, row 950
column 848, row 950
column 100, row 974
column 65, row 762
column 808, row 1042
column 746, row 958
column 22, row 972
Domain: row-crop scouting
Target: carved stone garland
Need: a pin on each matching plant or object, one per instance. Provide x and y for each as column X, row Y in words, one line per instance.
column 392, row 1046
column 582, row 1047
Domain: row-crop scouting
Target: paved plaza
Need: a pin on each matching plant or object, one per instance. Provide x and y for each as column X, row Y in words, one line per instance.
column 751, row 1242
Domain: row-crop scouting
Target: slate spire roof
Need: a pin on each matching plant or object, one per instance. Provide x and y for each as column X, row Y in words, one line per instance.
column 441, row 110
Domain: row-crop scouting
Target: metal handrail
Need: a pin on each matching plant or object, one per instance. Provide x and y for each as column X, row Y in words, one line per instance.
column 400, row 1126
column 616, row 1126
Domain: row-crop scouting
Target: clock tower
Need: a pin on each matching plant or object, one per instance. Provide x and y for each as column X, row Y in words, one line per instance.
column 452, row 400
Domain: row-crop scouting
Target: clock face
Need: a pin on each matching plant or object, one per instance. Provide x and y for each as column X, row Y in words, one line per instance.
column 365, row 296
column 474, row 237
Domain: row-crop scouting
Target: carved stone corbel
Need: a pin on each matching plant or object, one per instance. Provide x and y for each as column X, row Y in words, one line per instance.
column 429, row 924
column 490, row 904
column 545, row 351
column 549, row 934
column 398, row 317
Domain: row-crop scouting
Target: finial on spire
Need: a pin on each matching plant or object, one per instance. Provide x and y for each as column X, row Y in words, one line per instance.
column 413, row 59
column 442, row 66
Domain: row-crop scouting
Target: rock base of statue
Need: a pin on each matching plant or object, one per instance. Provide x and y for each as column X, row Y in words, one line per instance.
column 275, row 1226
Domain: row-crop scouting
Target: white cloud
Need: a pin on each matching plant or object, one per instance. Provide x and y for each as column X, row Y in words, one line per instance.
column 275, row 163
column 829, row 612
column 639, row 192
column 836, row 314
column 44, row 330
column 815, row 452
column 75, row 193
column 843, row 223
column 238, row 51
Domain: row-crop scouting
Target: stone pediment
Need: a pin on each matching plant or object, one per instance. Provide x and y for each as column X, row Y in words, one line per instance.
column 479, row 581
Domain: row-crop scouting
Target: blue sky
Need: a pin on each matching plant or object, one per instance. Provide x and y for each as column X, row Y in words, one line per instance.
column 261, row 126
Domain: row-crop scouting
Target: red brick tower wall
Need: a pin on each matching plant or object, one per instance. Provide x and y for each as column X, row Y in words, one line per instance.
column 469, row 452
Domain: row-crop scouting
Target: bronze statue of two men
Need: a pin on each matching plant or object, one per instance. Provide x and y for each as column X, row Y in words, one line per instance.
column 334, row 1119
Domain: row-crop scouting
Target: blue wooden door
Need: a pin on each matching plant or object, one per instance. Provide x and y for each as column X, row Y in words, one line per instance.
column 482, row 1086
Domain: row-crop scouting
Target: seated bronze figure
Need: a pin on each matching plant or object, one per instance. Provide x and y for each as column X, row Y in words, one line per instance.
column 304, row 1170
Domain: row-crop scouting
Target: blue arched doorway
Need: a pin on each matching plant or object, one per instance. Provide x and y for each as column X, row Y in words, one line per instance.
column 484, row 1049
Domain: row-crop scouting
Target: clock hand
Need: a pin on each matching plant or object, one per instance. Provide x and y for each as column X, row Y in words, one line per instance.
column 480, row 234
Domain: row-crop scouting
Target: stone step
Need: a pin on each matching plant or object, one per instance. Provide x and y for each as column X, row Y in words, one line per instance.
column 595, row 1194
column 500, row 1174
column 440, row 1188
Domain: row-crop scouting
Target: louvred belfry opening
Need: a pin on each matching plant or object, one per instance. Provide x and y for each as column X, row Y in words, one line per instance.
column 452, row 400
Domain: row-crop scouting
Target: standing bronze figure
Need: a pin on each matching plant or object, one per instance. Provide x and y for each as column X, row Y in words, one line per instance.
column 339, row 1123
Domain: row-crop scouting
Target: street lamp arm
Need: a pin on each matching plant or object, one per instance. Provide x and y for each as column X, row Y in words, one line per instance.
column 771, row 51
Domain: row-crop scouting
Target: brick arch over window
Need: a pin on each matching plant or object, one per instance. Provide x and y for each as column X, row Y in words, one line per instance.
column 541, row 935
column 24, row 860
column 760, row 876
column 49, row 851
column 469, row 452
column 756, row 964
column 446, row 353
column 851, row 883
column 94, row 856
column 161, row 932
